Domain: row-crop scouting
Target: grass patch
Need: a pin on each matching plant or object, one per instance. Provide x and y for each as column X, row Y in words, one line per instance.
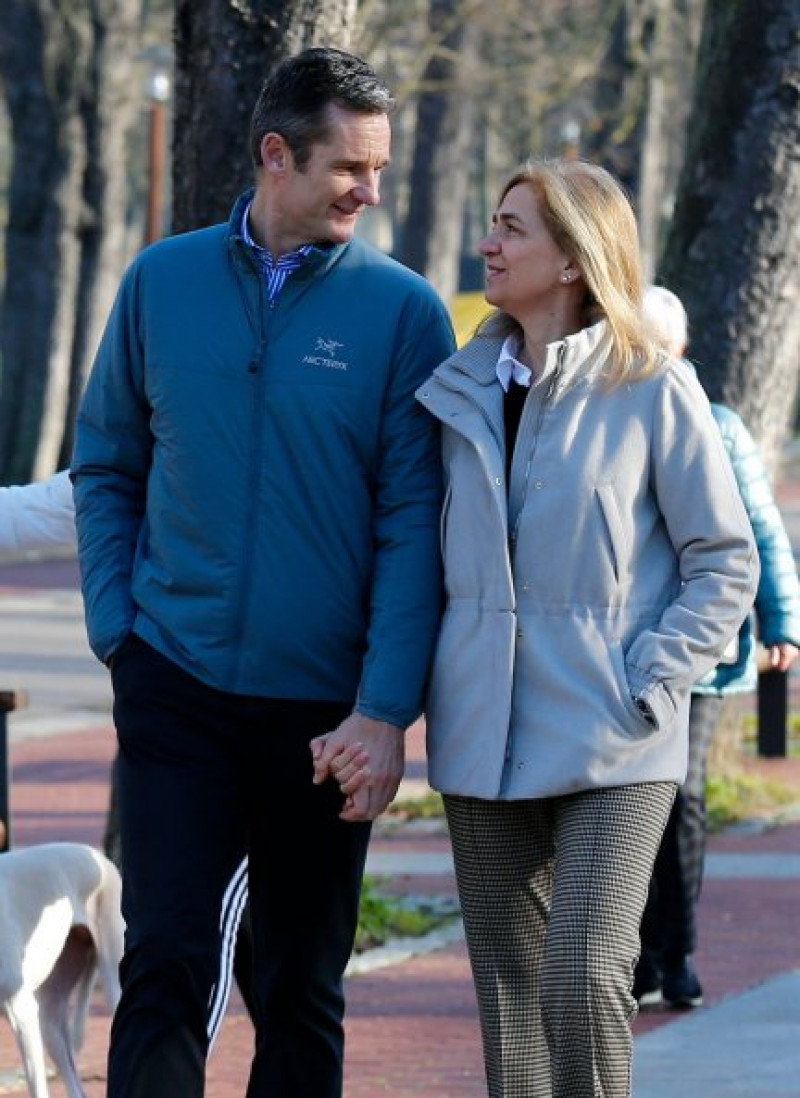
column 734, row 797
column 382, row 916
column 427, row 807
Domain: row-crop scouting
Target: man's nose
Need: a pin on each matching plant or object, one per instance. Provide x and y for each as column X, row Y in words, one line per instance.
column 368, row 189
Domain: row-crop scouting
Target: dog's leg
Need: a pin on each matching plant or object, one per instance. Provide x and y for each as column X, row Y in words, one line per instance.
column 23, row 1014
column 64, row 1002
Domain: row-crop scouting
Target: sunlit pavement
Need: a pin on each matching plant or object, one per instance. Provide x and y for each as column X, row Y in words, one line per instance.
column 412, row 1026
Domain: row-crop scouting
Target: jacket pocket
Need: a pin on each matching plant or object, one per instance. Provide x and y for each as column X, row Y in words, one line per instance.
column 610, row 509
column 448, row 495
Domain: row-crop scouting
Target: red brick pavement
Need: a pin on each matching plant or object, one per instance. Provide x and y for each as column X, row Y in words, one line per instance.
column 412, row 1027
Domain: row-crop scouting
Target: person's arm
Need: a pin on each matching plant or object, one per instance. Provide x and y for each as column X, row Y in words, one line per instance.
column 406, row 597
column 777, row 603
column 110, row 465
column 702, row 509
column 37, row 515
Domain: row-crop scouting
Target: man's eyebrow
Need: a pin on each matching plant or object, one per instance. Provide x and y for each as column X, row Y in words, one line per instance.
column 355, row 162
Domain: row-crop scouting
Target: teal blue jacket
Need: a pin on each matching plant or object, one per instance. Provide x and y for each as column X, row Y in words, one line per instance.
column 777, row 604
column 257, row 491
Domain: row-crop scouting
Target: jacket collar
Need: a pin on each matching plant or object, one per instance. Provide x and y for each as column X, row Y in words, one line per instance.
column 580, row 356
column 319, row 260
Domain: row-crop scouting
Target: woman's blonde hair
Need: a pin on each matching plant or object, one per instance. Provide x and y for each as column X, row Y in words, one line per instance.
column 590, row 217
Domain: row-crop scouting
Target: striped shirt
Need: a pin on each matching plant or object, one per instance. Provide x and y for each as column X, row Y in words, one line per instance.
column 275, row 271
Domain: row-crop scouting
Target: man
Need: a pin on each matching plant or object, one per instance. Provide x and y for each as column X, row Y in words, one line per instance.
column 257, row 503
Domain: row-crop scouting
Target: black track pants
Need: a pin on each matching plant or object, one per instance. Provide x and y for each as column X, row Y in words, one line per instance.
column 216, row 797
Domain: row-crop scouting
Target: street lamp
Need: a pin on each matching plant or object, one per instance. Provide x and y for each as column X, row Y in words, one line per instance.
column 158, row 93
column 570, row 139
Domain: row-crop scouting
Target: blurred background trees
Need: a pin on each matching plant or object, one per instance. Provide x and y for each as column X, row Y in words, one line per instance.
column 87, row 176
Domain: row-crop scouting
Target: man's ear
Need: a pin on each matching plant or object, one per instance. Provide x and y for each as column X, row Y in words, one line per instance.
column 275, row 153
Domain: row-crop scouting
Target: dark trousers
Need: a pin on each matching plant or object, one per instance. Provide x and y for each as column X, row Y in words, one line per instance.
column 669, row 927
column 215, row 798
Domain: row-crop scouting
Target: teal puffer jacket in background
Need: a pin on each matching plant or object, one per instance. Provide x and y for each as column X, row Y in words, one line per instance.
column 777, row 605
column 257, row 491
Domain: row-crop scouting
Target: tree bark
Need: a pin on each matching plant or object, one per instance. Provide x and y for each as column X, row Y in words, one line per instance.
column 731, row 254
column 224, row 49
column 445, row 137
column 66, row 193
column 671, row 69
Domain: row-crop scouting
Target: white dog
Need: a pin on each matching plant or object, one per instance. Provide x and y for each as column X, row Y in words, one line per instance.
column 60, row 925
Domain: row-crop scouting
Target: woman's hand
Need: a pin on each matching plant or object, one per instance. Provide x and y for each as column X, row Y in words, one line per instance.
column 782, row 656
column 366, row 757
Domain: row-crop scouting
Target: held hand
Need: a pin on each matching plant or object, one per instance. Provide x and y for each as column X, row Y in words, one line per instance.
column 370, row 757
column 782, row 656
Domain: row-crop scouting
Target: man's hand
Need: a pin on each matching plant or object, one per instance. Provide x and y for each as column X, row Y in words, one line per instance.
column 366, row 757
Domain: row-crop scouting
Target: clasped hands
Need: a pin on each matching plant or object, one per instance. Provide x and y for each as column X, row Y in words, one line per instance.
column 366, row 757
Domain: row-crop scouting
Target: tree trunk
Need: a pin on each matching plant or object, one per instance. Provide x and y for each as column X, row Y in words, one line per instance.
column 732, row 250
column 109, row 113
column 444, row 139
column 224, row 51
column 671, row 70
column 65, row 192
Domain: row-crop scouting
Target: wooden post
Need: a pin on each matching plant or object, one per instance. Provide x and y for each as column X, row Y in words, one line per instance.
column 9, row 701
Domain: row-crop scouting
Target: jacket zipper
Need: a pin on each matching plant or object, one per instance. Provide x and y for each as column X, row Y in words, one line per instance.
column 255, row 368
column 529, row 465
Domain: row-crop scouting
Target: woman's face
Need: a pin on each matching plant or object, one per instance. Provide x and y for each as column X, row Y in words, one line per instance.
column 524, row 266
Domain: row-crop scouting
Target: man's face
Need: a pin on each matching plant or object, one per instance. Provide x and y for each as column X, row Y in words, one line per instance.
column 322, row 203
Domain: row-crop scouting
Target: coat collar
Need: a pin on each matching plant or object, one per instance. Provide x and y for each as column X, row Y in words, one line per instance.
column 579, row 356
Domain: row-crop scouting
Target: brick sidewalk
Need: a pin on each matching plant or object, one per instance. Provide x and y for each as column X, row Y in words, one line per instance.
column 412, row 1028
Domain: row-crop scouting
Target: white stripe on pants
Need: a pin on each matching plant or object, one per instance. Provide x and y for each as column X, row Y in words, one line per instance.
column 552, row 892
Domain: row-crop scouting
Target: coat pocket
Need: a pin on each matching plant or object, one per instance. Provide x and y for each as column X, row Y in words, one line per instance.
column 612, row 515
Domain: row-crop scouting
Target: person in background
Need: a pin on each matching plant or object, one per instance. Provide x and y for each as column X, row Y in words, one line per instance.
column 666, row 971
column 37, row 515
column 257, row 498
column 597, row 561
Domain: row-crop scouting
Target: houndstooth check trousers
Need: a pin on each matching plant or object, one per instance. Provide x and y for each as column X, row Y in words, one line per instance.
column 552, row 892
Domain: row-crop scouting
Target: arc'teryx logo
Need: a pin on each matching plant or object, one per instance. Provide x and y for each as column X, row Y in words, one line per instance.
column 324, row 350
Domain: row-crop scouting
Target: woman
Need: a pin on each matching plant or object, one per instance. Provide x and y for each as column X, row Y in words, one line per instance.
column 597, row 561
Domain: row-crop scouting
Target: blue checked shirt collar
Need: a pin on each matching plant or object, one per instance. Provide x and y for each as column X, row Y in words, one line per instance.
column 276, row 271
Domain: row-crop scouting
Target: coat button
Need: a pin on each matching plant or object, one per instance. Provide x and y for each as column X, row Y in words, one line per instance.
column 538, row 484
column 498, row 481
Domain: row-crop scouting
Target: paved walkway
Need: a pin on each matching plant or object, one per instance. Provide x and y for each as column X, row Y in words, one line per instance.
column 412, row 1027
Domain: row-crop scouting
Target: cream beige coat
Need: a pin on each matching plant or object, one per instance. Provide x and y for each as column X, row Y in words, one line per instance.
column 617, row 565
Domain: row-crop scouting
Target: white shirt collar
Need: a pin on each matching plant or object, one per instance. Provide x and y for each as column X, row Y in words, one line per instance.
column 509, row 366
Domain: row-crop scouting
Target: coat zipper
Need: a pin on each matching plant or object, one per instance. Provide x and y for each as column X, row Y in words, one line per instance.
column 529, row 464
column 255, row 369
